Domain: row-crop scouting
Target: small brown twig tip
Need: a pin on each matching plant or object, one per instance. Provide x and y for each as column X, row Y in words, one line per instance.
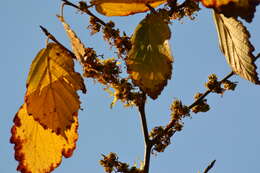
column 257, row 56
column 43, row 29
column 150, row 8
column 209, row 166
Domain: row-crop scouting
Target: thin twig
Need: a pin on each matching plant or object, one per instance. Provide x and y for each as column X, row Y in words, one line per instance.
column 209, row 91
column 209, row 166
column 150, row 7
column 85, row 10
column 257, row 56
column 141, row 109
column 174, row 121
column 50, row 36
column 148, row 144
column 174, row 6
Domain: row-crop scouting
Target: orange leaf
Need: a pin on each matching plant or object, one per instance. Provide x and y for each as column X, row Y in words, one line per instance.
column 39, row 150
column 124, row 7
column 234, row 8
column 52, row 84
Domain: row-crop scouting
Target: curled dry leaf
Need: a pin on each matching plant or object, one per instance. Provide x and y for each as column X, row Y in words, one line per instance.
column 234, row 8
column 124, row 7
column 52, row 85
column 78, row 47
column 149, row 61
column 39, row 150
column 235, row 45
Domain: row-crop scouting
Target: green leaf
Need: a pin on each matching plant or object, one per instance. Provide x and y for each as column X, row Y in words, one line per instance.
column 149, row 61
column 235, row 45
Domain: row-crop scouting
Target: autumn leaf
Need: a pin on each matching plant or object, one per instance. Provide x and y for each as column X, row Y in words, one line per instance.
column 52, row 85
column 235, row 45
column 39, row 150
column 149, row 62
column 234, row 8
column 78, row 47
column 124, row 7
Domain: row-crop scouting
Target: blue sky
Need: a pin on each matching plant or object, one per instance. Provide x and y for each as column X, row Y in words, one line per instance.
column 229, row 132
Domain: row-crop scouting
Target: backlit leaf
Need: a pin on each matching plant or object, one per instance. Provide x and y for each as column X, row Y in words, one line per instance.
column 77, row 46
column 234, row 8
column 124, row 7
column 235, row 45
column 39, row 150
column 52, row 85
column 149, row 62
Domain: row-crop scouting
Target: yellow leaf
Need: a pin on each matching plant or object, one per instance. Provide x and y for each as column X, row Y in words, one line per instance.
column 39, row 150
column 124, row 7
column 234, row 8
column 52, row 85
column 78, row 47
column 235, row 45
column 149, row 62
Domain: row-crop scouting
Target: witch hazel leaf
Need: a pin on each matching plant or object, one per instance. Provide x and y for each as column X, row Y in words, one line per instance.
column 78, row 47
column 149, row 62
column 39, row 150
column 234, row 8
column 235, row 45
column 51, row 97
column 124, row 7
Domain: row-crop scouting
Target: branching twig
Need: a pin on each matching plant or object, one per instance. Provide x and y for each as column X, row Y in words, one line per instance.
column 209, row 91
column 209, row 166
column 173, row 122
column 174, row 6
column 85, row 10
column 141, row 107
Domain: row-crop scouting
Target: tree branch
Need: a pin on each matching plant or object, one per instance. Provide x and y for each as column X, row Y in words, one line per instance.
column 148, row 144
column 209, row 166
column 141, row 109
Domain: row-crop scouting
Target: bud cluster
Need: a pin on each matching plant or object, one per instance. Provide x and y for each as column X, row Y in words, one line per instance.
column 122, row 43
column 202, row 105
column 213, row 84
column 187, row 8
column 111, row 163
column 161, row 138
column 107, row 73
column 219, row 87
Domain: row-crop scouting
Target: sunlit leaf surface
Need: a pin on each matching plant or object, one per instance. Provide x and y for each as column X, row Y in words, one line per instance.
column 235, row 45
column 39, row 150
column 149, row 62
column 51, row 96
column 124, row 7
column 234, row 8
